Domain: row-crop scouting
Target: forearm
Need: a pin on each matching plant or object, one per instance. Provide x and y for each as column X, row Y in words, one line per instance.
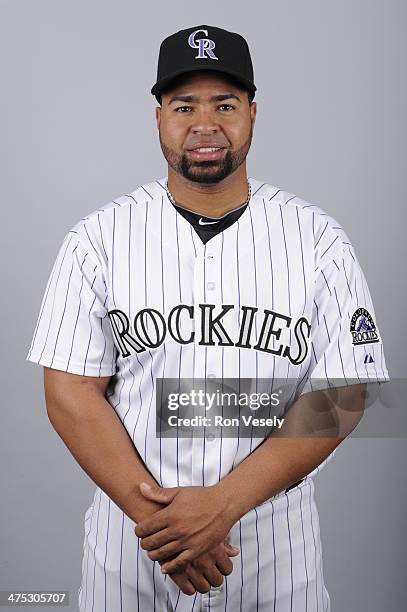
column 97, row 439
column 271, row 468
column 285, row 457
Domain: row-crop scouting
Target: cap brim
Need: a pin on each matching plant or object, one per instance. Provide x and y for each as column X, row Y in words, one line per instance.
column 163, row 83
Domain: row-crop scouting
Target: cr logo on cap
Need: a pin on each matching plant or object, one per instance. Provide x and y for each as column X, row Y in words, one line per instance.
column 205, row 45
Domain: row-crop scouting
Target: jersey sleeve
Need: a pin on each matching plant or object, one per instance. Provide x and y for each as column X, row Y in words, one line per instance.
column 73, row 332
column 346, row 344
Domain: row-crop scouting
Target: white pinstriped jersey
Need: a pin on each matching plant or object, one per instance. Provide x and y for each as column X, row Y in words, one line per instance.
column 283, row 255
column 135, row 294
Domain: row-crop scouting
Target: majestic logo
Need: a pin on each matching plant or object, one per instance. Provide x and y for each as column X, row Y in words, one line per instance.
column 134, row 336
column 205, row 45
column 362, row 327
column 202, row 222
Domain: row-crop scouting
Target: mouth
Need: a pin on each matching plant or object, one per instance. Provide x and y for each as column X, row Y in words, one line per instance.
column 206, row 153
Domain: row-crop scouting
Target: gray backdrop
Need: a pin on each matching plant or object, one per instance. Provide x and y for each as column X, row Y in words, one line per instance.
column 77, row 125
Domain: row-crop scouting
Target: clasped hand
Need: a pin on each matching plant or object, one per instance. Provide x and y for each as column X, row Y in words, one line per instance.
column 194, row 521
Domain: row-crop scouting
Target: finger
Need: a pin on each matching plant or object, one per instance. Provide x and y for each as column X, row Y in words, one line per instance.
column 164, row 552
column 184, row 583
column 164, row 495
column 207, row 565
column 198, row 579
column 154, row 523
column 224, row 564
column 179, row 563
column 157, row 540
column 232, row 551
column 213, row 575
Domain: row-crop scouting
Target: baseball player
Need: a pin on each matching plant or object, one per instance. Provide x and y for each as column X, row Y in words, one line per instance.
column 204, row 273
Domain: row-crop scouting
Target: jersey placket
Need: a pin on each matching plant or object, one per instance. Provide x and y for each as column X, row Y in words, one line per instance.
column 207, row 359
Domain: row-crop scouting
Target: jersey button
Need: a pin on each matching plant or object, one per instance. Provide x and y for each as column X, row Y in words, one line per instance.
column 210, row 285
column 211, row 375
column 210, row 437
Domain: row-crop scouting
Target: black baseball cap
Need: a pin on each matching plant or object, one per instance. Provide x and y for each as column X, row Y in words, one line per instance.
column 204, row 47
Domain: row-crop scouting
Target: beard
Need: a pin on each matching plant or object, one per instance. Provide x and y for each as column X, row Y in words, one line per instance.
column 207, row 171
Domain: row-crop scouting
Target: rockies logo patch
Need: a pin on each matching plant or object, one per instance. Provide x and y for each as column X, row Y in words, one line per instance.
column 363, row 328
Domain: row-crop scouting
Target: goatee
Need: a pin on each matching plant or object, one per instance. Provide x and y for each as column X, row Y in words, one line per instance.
column 208, row 171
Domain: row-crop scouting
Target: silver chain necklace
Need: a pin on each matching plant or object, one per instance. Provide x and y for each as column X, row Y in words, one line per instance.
column 172, row 200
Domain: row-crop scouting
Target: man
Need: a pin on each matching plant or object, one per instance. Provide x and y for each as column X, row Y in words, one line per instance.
column 204, row 274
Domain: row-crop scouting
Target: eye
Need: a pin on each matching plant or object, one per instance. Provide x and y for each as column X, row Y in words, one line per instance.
column 228, row 105
column 182, row 108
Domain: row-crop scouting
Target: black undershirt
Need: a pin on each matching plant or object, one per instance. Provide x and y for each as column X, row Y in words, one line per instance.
column 206, row 232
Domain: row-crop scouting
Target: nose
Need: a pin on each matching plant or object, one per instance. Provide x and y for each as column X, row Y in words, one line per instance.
column 204, row 122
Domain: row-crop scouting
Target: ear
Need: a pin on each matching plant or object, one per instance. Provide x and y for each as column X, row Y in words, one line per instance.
column 158, row 116
column 253, row 111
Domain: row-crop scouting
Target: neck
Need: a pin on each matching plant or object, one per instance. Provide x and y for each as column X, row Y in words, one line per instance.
column 214, row 200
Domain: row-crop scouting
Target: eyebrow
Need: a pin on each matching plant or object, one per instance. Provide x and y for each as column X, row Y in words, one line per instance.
column 217, row 98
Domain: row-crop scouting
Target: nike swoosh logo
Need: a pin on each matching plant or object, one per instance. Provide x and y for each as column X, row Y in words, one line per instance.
column 205, row 222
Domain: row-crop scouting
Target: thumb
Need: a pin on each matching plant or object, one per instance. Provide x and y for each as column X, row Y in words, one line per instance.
column 159, row 494
column 232, row 551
